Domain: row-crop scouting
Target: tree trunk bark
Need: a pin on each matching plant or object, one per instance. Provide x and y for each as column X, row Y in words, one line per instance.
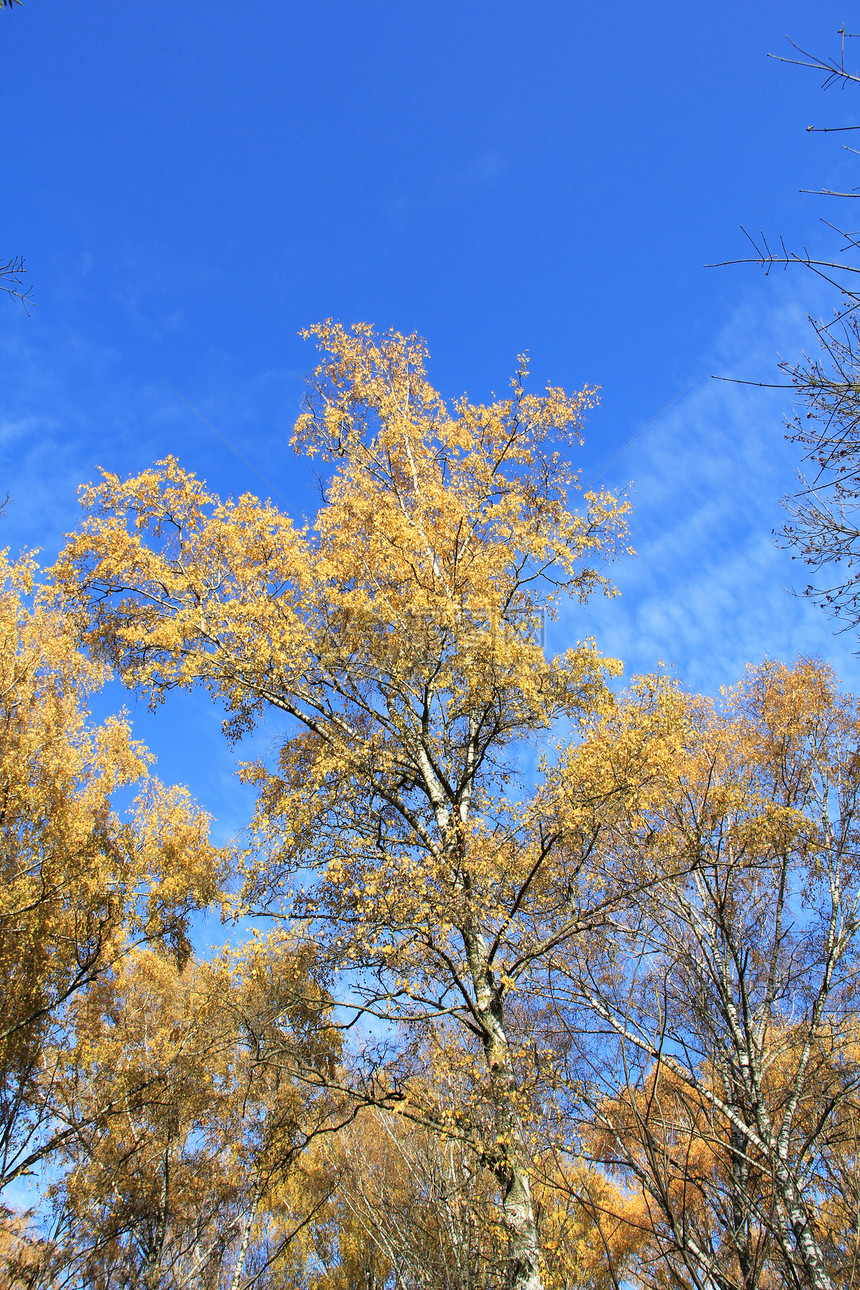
column 520, row 1220
column 509, row 1152
column 242, row 1254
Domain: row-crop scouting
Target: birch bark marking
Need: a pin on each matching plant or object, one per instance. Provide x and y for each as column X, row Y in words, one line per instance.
column 510, row 1164
column 242, row 1254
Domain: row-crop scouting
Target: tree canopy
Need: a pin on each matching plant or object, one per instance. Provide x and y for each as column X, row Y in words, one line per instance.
column 402, row 636
column 534, row 983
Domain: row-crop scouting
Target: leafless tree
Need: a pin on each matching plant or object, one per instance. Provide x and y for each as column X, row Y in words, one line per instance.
column 12, row 280
column 823, row 526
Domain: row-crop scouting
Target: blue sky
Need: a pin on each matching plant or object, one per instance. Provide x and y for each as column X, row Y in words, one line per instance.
column 191, row 185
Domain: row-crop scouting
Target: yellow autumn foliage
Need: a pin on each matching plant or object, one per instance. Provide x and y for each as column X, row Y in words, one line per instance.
column 80, row 884
column 402, row 635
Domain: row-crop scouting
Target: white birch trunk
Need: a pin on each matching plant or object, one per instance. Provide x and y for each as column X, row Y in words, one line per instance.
column 512, row 1162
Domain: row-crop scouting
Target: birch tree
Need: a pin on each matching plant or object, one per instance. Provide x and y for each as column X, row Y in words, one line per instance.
column 80, row 885
column 723, row 1028
column 220, row 1073
column 416, row 1206
column 400, row 638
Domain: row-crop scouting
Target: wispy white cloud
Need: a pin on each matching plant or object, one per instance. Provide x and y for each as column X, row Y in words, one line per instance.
column 709, row 590
column 72, row 404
